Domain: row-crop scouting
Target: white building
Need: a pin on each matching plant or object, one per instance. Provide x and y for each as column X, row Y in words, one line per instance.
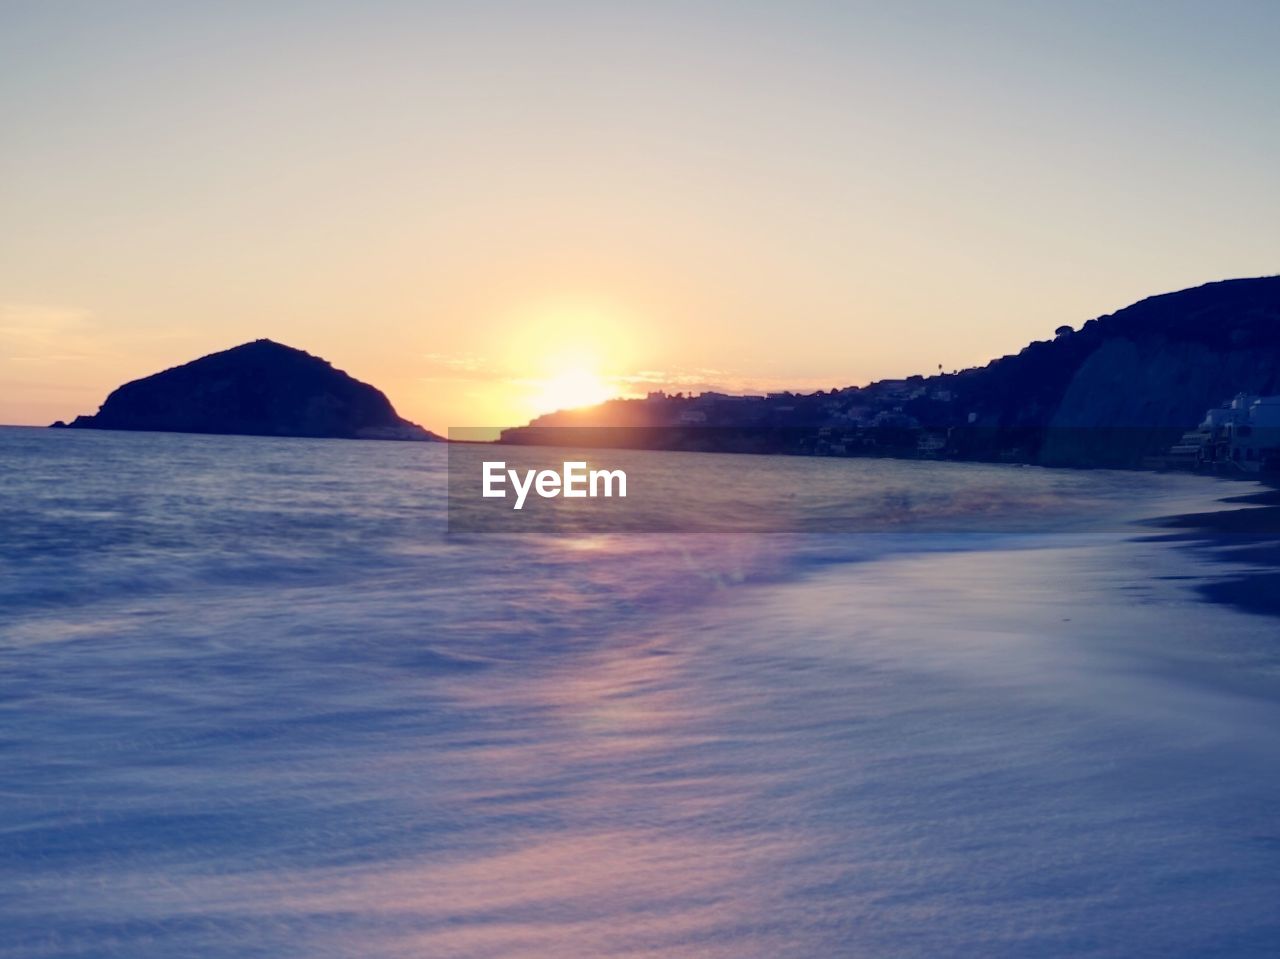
column 1236, row 411
column 1244, row 432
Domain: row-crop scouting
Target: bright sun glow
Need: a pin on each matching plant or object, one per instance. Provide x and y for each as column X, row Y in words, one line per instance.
column 569, row 352
column 570, row 388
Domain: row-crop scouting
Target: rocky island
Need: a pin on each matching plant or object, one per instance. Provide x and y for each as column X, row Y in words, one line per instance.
column 261, row 388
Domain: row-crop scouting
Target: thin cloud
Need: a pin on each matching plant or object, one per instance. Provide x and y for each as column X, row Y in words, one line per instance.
column 41, row 333
column 455, row 368
column 466, row 367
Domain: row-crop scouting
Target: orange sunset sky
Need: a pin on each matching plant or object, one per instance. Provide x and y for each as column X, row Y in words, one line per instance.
column 492, row 209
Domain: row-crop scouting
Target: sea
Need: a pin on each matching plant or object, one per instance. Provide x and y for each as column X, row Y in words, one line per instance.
column 258, row 700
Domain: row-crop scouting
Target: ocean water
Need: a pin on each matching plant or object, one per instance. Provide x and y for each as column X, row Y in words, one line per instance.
column 256, row 701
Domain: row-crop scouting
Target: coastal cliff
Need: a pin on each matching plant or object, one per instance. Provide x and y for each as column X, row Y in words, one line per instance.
column 1126, row 385
column 261, row 388
column 1121, row 388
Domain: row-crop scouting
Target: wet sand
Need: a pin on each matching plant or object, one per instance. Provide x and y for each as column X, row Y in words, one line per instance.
column 1246, row 538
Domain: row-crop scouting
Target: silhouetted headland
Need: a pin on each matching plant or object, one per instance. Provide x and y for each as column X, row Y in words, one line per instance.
column 1117, row 392
column 261, row 388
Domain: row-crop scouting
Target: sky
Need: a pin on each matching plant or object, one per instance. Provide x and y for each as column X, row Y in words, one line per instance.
column 490, row 209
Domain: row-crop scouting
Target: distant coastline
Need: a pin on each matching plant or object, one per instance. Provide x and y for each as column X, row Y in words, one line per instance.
column 1118, row 392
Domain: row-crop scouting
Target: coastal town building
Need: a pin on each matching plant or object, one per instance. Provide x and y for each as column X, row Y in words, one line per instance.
column 1243, row 434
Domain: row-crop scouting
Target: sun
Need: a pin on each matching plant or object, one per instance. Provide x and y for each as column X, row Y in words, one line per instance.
column 569, row 388
column 568, row 353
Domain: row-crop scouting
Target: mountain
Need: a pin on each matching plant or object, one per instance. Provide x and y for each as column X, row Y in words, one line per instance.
column 261, row 388
column 1154, row 368
column 1121, row 388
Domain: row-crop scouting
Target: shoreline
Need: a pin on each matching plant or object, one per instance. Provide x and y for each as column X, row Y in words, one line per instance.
column 443, row 439
column 1247, row 539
